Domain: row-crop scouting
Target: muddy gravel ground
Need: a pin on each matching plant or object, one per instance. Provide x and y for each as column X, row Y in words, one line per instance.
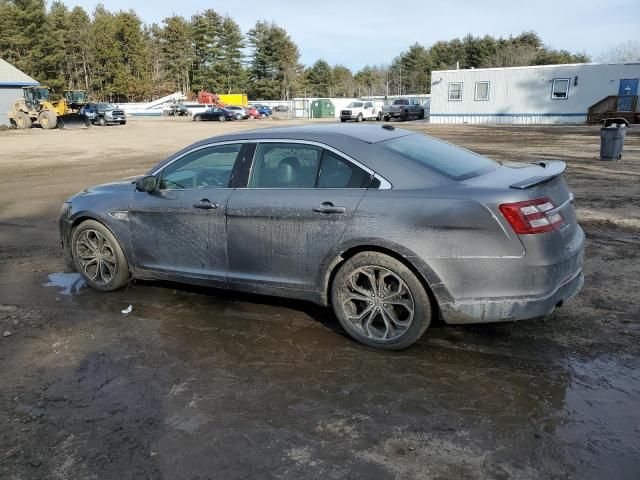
column 204, row 384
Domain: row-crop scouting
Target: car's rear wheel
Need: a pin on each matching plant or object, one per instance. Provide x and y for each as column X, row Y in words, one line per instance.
column 380, row 302
column 222, row 118
column 102, row 121
column 359, row 118
column 197, row 118
column 405, row 116
column 98, row 256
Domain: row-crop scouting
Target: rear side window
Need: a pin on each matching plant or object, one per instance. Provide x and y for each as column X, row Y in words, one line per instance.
column 448, row 160
column 285, row 165
column 337, row 173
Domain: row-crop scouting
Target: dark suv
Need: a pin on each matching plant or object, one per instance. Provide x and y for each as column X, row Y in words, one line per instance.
column 104, row 113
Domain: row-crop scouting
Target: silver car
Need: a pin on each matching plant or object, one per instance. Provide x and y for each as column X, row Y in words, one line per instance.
column 388, row 227
column 240, row 112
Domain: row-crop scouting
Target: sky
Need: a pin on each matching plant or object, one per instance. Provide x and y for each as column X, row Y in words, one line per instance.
column 356, row 33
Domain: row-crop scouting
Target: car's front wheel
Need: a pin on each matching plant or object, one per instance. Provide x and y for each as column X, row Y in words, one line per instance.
column 98, row 257
column 380, row 302
column 221, row 118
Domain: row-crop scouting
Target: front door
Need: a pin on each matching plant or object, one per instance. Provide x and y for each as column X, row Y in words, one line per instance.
column 298, row 201
column 628, row 88
column 179, row 229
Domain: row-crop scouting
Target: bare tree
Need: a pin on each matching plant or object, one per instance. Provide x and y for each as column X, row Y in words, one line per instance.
column 628, row 51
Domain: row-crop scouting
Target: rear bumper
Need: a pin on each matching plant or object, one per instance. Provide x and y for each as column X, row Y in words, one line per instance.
column 565, row 278
column 510, row 309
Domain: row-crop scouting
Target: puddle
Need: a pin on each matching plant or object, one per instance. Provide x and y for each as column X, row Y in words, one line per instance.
column 69, row 283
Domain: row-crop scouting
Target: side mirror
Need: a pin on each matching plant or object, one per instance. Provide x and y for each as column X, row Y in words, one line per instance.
column 146, row 184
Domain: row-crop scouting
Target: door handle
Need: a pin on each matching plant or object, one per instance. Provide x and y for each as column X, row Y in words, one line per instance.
column 205, row 204
column 328, row 207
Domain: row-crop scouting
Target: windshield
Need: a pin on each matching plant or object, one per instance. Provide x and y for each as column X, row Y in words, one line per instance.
column 42, row 93
column 77, row 96
column 355, row 105
column 453, row 162
column 401, row 102
column 105, row 106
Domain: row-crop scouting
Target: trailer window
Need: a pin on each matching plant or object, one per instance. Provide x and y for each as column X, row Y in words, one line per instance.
column 482, row 91
column 560, row 89
column 455, row 91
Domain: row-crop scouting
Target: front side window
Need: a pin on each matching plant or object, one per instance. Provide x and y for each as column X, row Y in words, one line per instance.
column 401, row 102
column 368, row 105
column 482, row 91
column 336, row 172
column 285, row 165
column 208, row 167
column 455, row 91
column 355, row 105
column 560, row 89
column 453, row 162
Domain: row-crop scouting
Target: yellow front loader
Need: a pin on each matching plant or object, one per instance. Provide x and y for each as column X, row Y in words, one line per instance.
column 36, row 108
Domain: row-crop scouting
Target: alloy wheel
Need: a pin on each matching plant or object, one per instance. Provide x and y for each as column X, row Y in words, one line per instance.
column 96, row 256
column 377, row 303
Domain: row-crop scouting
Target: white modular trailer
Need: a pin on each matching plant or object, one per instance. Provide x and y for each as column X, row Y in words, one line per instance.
column 11, row 82
column 545, row 94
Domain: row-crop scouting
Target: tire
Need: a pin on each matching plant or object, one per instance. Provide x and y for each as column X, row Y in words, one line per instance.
column 379, row 117
column 47, row 119
column 221, row 118
column 197, row 118
column 102, row 121
column 421, row 115
column 239, row 117
column 23, row 121
column 111, row 269
column 348, row 303
column 251, row 117
column 343, row 120
column 359, row 118
column 124, row 122
column 387, row 118
column 405, row 116
column 263, row 115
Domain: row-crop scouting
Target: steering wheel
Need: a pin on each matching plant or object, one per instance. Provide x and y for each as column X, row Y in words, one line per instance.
column 208, row 178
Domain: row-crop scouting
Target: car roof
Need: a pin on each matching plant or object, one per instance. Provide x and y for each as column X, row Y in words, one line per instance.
column 357, row 141
column 319, row 132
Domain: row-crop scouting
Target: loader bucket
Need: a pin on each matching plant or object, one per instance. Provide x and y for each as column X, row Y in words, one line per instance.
column 73, row 120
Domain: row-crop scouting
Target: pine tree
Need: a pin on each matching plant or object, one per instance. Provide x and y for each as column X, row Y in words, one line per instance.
column 206, row 31
column 177, row 51
column 232, row 71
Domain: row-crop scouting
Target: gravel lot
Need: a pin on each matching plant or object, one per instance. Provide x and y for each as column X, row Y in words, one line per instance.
column 205, row 384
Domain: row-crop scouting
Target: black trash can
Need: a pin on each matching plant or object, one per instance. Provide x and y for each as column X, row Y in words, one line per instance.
column 612, row 135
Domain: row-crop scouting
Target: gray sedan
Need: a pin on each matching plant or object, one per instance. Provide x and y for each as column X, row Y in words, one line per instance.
column 388, row 227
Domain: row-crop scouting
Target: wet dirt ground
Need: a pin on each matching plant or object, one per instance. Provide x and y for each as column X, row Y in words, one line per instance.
column 204, row 384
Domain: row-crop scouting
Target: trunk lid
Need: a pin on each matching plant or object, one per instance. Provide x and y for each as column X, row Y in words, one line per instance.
column 516, row 182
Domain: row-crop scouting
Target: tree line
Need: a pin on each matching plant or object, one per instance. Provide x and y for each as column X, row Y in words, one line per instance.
column 116, row 56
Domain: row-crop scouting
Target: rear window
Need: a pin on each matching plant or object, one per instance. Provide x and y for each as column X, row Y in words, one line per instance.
column 453, row 162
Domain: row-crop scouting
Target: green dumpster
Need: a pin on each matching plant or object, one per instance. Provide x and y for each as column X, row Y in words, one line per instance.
column 322, row 108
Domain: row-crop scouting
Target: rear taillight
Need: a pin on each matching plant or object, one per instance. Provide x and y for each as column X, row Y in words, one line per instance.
column 532, row 216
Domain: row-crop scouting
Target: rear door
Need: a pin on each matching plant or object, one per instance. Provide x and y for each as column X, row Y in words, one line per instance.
column 295, row 207
column 628, row 88
column 180, row 227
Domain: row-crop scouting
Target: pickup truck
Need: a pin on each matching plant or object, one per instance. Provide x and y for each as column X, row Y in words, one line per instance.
column 362, row 110
column 104, row 113
column 403, row 108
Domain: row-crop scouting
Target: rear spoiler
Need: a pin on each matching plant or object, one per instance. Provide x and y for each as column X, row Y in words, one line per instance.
column 552, row 169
